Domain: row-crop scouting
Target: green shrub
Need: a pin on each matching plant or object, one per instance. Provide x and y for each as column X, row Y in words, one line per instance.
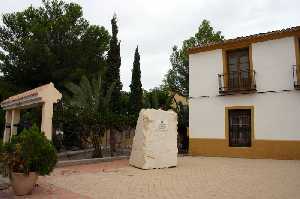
column 28, row 152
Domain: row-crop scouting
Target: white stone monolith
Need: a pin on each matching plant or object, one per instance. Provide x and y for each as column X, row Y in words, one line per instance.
column 155, row 140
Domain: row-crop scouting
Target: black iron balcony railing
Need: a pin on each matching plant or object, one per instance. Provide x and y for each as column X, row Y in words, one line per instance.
column 237, row 82
column 296, row 77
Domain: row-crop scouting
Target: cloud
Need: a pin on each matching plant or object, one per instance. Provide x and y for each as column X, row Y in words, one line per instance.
column 156, row 25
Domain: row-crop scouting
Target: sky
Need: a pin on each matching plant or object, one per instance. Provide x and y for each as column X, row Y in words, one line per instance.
column 157, row 25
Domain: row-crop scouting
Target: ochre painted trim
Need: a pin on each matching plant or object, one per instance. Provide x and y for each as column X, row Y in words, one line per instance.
column 227, row 122
column 232, row 43
column 225, row 60
column 275, row 149
column 297, row 53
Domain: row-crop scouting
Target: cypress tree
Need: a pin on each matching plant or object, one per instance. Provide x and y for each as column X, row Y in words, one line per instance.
column 136, row 92
column 113, row 70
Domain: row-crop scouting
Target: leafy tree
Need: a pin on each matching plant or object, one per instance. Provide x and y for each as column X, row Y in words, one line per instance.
column 124, row 110
column 113, row 76
column 158, row 98
column 93, row 108
column 73, row 131
column 50, row 43
column 136, row 91
column 113, row 70
column 177, row 78
column 183, row 122
column 6, row 89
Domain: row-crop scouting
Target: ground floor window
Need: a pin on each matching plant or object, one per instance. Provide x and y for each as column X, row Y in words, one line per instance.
column 239, row 127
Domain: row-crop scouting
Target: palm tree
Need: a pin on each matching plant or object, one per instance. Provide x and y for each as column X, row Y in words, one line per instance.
column 93, row 108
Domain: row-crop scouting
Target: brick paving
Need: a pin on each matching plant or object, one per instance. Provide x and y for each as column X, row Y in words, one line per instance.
column 195, row 177
column 46, row 190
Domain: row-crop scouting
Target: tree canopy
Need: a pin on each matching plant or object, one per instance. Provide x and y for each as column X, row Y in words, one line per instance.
column 158, row 98
column 113, row 67
column 136, row 91
column 177, row 78
column 50, row 43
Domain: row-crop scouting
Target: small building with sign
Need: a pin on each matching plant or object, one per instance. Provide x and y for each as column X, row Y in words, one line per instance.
column 44, row 96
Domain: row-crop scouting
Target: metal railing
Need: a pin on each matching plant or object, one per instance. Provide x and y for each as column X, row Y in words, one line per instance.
column 237, row 81
column 296, row 76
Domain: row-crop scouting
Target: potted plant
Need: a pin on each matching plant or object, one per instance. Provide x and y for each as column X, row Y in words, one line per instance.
column 27, row 156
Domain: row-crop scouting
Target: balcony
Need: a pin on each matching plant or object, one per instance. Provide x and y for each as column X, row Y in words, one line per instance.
column 296, row 77
column 242, row 81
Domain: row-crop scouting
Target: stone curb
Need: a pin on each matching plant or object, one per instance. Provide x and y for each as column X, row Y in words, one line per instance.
column 4, row 183
column 65, row 163
column 71, row 153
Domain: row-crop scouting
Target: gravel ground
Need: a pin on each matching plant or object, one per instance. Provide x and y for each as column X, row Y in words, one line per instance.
column 194, row 177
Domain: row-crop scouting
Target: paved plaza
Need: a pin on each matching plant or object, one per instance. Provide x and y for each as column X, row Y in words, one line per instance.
column 195, row 177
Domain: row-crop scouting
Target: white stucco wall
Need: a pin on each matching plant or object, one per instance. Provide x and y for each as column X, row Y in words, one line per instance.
column 273, row 61
column 276, row 114
column 204, row 68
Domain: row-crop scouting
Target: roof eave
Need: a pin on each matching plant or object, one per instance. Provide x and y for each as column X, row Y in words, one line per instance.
column 246, row 40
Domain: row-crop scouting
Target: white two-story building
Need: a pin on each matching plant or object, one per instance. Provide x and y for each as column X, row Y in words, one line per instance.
column 245, row 96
